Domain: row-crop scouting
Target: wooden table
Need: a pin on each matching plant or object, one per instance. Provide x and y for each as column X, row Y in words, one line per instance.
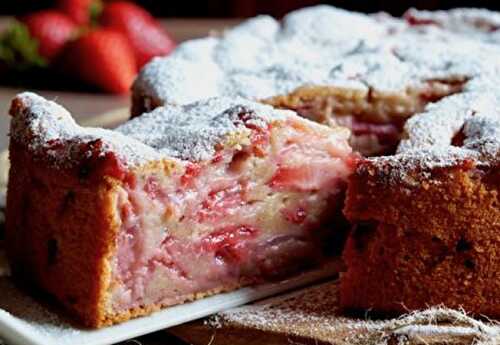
column 83, row 105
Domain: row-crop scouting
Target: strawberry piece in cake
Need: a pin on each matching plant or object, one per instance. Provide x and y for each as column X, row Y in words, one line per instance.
column 473, row 22
column 176, row 204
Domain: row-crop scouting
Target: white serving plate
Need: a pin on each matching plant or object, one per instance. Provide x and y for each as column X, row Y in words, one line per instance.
column 26, row 321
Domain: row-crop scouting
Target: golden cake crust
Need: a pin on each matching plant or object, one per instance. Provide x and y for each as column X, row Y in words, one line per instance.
column 434, row 243
column 73, row 265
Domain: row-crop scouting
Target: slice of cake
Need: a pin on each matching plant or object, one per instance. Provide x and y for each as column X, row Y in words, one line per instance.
column 174, row 205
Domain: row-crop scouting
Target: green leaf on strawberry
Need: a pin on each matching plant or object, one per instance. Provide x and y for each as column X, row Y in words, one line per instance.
column 95, row 11
column 18, row 49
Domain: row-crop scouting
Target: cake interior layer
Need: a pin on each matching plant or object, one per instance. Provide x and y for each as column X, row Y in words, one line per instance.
column 375, row 118
column 250, row 213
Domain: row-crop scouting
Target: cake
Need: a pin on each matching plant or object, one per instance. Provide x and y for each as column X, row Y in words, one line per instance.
column 177, row 204
column 420, row 95
column 330, row 65
column 428, row 218
column 210, row 186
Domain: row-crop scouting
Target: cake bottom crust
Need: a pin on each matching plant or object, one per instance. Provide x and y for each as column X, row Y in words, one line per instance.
column 146, row 310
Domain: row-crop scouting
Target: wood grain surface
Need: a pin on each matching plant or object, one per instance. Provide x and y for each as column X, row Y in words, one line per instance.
column 311, row 316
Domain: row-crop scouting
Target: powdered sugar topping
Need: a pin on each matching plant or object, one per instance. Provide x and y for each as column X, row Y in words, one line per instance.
column 188, row 132
column 191, row 132
column 262, row 58
column 461, row 127
column 320, row 45
column 478, row 23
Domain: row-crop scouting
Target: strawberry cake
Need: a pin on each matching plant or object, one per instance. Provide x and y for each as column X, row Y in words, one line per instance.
column 420, row 95
column 332, row 66
column 179, row 203
column 208, row 189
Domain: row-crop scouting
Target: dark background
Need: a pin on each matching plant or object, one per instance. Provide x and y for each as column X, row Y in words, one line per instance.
column 247, row 8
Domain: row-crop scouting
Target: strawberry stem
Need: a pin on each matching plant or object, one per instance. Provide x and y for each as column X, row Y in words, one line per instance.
column 95, row 11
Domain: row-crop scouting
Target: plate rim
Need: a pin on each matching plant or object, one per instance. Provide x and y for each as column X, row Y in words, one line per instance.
column 18, row 331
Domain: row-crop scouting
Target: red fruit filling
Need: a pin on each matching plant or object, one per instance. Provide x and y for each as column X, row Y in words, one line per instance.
column 243, row 215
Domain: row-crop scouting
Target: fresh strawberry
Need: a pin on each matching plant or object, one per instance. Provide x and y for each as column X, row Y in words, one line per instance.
column 101, row 57
column 146, row 36
column 81, row 11
column 19, row 50
column 52, row 29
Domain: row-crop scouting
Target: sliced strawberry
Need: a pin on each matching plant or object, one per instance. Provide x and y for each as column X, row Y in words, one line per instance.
column 259, row 136
column 218, row 157
column 385, row 130
column 220, row 203
column 191, row 172
column 228, row 236
column 103, row 58
column 98, row 162
column 229, row 244
column 146, row 35
column 153, row 189
column 413, row 19
column 305, row 177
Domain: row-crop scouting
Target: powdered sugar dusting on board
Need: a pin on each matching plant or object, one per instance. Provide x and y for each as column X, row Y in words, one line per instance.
column 312, row 315
column 37, row 317
column 188, row 132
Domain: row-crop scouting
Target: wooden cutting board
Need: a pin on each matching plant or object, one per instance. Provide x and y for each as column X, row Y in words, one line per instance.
column 311, row 316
